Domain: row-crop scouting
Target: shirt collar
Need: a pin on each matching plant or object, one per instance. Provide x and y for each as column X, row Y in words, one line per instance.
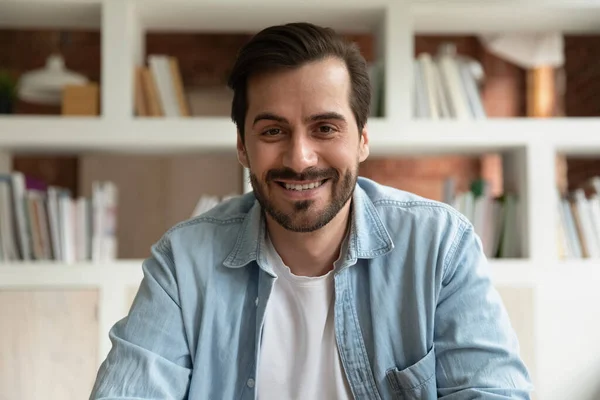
column 368, row 236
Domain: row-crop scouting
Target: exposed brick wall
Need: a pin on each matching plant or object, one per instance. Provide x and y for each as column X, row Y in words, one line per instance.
column 424, row 176
column 582, row 97
column 582, row 73
column 205, row 59
column 580, row 170
column 54, row 170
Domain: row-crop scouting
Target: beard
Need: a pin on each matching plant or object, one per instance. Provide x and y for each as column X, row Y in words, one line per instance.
column 304, row 217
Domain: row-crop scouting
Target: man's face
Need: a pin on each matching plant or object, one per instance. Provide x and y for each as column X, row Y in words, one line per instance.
column 302, row 144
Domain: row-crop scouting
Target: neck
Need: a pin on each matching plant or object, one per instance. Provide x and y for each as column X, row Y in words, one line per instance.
column 310, row 253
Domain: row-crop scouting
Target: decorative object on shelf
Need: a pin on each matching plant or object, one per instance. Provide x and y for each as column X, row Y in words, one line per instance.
column 81, row 100
column 8, row 92
column 45, row 85
column 541, row 54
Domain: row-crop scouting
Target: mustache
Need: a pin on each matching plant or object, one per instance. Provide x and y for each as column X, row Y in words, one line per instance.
column 309, row 174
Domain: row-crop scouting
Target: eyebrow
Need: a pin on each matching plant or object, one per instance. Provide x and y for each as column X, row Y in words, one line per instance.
column 317, row 117
column 270, row 117
column 326, row 116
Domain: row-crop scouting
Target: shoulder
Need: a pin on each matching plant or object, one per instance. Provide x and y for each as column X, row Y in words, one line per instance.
column 417, row 225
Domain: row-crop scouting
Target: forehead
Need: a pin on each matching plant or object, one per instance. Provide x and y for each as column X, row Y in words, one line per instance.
column 317, row 86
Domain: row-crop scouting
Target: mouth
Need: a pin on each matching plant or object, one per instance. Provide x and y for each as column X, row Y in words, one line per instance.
column 301, row 186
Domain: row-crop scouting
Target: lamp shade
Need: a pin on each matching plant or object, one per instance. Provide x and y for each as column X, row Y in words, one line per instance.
column 528, row 50
column 45, row 85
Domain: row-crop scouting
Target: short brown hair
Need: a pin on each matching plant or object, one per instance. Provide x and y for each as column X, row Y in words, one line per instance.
column 293, row 45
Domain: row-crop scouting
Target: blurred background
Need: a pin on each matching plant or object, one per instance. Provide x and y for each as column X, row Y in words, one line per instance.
column 114, row 126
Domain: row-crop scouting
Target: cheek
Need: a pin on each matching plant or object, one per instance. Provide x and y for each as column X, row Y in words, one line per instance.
column 261, row 161
column 341, row 157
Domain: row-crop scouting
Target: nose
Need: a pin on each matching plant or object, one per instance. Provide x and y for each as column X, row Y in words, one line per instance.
column 300, row 153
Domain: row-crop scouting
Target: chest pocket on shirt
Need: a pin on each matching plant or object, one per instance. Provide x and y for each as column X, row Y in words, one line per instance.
column 415, row 382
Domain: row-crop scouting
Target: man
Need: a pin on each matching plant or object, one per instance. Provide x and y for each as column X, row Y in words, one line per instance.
column 319, row 284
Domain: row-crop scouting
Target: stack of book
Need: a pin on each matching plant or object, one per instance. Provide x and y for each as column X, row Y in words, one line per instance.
column 445, row 87
column 579, row 221
column 495, row 219
column 40, row 222
column 159, row 88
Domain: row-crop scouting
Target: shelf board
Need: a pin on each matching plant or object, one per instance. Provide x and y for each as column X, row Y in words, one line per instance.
column 74, row 135
column 64, row 14
column 49, row 134
column 450, row 136
column 575, row 16
column 512, row 272
column 45, row 274
column 582, row 139
column 31, row 275
column 219, row 16
column 129, row 272
column 582, row 270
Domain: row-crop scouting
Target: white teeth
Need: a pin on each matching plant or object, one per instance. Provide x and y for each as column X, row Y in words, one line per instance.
column 307, row 186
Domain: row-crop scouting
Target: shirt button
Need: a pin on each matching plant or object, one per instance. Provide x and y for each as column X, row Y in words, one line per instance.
column 256, row 302
column 250, row 383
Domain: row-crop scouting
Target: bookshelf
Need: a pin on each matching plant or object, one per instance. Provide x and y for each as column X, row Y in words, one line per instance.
column 550, row 299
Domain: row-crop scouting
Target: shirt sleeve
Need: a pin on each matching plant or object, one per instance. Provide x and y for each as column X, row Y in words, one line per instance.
column 149, row 358
column 477, row 351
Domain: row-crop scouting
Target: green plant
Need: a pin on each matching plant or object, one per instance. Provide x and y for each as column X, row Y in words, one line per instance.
column 8, row 85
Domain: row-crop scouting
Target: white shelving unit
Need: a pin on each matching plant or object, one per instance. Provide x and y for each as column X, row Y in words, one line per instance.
column 557, row 322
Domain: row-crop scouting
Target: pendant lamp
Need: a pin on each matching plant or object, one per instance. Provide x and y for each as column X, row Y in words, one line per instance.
column 45, row 85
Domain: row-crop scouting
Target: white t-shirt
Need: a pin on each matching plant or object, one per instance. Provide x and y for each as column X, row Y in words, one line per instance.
column 299, row 357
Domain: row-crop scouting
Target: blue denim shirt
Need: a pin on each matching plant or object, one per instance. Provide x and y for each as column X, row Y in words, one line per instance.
column 416, row 315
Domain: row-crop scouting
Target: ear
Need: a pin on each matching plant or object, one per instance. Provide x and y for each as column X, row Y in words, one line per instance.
column 241, row 152
column 363, row 146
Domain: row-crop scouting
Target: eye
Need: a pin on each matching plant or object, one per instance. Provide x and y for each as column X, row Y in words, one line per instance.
column 272, row 132
column 326, row 129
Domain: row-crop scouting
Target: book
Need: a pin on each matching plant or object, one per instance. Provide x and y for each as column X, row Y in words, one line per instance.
column 177, row 81
column 150, row 92
column 161, row 71
column 142, row 108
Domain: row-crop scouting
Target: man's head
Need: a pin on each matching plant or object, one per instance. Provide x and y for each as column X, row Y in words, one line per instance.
column 301, row 101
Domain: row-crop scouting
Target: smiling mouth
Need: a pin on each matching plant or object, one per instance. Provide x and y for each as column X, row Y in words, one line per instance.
column 301, row 187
